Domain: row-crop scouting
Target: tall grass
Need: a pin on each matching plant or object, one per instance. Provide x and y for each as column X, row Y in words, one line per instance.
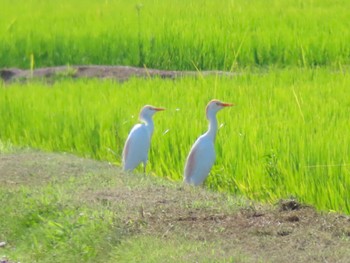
column 174, row 34
column 286, row 136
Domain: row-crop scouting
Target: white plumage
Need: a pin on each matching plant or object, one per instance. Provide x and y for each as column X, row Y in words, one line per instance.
column 139, row 140
column 202, row 154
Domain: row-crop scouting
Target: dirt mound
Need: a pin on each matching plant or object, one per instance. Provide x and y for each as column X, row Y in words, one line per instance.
column 120, row 73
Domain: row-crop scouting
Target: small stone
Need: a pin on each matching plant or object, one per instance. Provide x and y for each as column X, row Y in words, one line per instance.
column 2, row 244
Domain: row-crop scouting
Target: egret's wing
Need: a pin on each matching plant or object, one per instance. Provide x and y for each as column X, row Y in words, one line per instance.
column 136, row 147
column 199, row 161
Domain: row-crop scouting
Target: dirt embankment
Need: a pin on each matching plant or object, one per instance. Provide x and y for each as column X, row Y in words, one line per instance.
column 120, row 73
column 287, row 232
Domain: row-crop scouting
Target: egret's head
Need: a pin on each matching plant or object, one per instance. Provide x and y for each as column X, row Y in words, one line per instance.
column 214, row 106
column 148, row 111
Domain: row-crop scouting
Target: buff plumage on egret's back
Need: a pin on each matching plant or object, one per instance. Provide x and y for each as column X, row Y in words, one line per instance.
column 137, row 144
column 202, row 154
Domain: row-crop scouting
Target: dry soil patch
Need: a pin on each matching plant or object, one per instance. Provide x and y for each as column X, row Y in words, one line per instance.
column 120, row 73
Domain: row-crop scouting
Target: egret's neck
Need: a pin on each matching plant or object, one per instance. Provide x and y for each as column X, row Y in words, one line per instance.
column 213, row 126
column 148, row 121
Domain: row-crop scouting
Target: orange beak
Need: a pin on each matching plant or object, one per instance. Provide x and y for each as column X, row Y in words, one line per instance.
column 158, row 109
column 224, row 104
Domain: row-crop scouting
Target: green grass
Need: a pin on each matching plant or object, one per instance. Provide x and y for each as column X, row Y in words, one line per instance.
column 174, row 34
column 42, row 225
column 142, row 249
column 6, row 147
column 286, row 136
column 154, row 249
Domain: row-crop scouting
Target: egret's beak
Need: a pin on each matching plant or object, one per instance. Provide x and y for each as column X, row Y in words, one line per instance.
column 158, row 109
column 224, row 104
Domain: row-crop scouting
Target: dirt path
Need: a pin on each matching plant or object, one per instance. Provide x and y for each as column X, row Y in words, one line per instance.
column 288, row 232
column 120, row 73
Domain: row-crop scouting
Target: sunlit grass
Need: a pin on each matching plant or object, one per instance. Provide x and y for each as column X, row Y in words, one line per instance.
column 142, row 249
column 285, row 137
column 43, row 225
column 174, row 34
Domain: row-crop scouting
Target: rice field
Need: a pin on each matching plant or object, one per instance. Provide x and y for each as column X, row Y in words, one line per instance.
column 286, row 137
column 179, row 34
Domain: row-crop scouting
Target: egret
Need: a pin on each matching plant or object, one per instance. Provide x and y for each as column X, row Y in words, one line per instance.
column 139, row 140
column 202, row 155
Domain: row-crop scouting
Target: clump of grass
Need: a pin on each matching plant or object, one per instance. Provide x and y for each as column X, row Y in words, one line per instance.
column 6, row 147
column 41, row 225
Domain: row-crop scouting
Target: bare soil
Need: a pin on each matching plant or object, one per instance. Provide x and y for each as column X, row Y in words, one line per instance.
column 120, row 73
column 286, row 232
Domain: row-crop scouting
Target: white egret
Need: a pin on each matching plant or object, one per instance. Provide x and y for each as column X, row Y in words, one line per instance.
column 139, row 140
column 202, row 155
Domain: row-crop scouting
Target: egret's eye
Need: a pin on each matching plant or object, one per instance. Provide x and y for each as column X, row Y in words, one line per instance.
column 217, row 103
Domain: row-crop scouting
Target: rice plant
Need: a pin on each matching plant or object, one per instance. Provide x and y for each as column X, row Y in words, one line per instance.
column 176, row 34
